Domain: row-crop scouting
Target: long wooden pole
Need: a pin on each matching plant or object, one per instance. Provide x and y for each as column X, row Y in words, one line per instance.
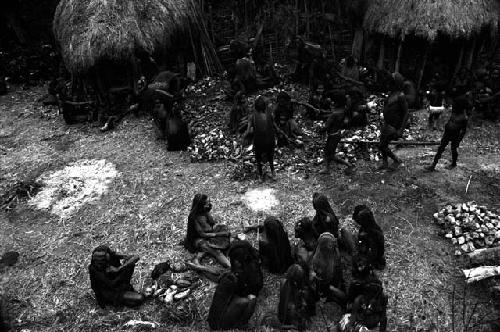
column 471, row 53
column 459, row 62
column 211, row 22
column 306, row 10
column 381, row 54
column 296, row 17
column 400, row 52
column 332, row 43
column 402, row 142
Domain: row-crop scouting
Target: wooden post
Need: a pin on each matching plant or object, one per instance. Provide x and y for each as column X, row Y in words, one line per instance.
column 332, row 42
column 306, row 11
column 400, row 52
column 367, row 46
column 246, row 15
column 235, row 21
column 481, row 47
column 471, row 53
column 195, row 51
column 135, row 75
column 103, row 92
column 296, row 17
column 210, row 13
column 459, row 62
column 422, row 69
column 381, row 54
column 357, row 43
column 271, row 53
column 494, row 46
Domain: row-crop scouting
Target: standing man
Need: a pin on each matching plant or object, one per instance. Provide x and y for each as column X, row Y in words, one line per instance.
column 454, row 132
column 395, row 118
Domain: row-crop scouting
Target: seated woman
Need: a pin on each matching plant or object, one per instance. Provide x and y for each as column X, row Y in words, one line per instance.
column 370, row 236
column 229, row 309
column 366, row 301
column 274, row 246
column 297, row 301
column 308, row 239
column 325, row 219
column 234, row 299
column 327, row 266
column 246, row 264
column 110, row 280
column 203, row 235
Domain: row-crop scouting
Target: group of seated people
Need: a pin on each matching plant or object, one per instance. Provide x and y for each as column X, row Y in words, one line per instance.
column 313, row 269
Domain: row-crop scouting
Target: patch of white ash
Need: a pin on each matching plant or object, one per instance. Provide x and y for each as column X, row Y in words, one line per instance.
column 261, row 200
column 65, row 191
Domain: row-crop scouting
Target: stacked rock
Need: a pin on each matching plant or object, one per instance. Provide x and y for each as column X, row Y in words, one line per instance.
column 469, row 226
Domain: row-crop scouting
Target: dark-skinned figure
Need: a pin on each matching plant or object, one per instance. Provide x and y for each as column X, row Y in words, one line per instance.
column 395, row 118
column 454, row 132
column 110, row 279
column 204, row 236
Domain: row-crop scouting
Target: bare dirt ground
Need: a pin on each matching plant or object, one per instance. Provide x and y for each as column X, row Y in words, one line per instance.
column 145, row 212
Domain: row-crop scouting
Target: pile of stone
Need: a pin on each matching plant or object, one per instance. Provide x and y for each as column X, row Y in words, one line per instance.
column 469, row 226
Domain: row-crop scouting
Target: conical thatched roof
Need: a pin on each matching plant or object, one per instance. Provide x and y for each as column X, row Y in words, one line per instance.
column 88, row 30
column 425, row 18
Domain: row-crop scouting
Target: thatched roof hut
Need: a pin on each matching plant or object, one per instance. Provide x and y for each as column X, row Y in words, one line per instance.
column 425, row 18
column 91, row 30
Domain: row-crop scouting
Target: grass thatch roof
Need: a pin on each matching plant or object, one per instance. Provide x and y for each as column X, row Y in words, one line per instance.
column 88, row 30
column 425, row 18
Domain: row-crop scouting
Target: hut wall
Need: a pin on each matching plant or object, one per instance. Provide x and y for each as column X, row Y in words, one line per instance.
column 228, row 20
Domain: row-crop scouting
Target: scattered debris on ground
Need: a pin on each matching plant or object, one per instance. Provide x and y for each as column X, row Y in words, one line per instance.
column 65, row 191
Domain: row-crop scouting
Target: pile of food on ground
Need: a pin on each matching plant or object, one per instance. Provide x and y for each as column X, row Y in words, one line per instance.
column 213, row 142
column 201, row 87
column 173, row 286
column 469, row 226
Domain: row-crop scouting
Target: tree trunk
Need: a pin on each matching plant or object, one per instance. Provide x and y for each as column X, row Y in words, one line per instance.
column 357, row 43
column 400, row 53
column 470, row 58
column 422, row 69
column 381, row 54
